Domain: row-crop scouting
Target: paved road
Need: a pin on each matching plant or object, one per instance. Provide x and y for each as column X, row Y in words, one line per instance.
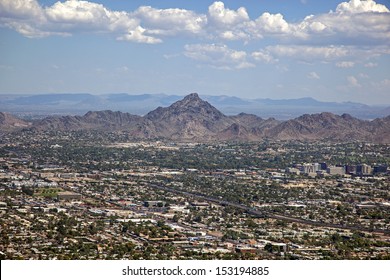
column 263, row 214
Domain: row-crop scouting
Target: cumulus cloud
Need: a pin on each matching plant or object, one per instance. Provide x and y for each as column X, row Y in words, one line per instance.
column 227, row 24
column 64, row 18
column 78, row 12
column 21, row 9
column 361, row 6
column 218, row 56
column 170, row 21
column 222, row 16
column 272, row 23
column 24, row 16
column 356, row 32
column 354, row 22
column 336, row 36
column 358, row 19
column 138, row 35
column 75, row 16
column 362, row 21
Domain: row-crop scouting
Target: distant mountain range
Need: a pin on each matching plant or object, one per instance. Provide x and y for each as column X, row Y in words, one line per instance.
column 194, row 119
column 79, row 104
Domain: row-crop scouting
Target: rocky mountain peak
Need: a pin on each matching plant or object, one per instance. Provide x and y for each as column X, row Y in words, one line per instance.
column 191, row 100
column 192, row 97
column 190, row 107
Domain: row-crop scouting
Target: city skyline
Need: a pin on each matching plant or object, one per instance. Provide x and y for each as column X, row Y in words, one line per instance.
column 330, row 51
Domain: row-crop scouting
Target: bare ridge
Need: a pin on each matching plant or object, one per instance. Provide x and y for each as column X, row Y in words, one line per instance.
column 192, row 118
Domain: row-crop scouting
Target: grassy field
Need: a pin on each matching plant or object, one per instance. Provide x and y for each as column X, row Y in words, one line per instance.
column 47, row 192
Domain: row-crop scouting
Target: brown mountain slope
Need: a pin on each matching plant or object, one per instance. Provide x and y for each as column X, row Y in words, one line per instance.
column 106, row 120
column 322, row 126
column 189, row 118
column 380, row 130
column 10, row 122
column 256, row 126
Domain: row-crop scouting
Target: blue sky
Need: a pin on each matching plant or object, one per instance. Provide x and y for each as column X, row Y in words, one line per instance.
column 328, row 50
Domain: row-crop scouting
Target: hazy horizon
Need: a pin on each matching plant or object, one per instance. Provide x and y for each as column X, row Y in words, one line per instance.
column 200, row 94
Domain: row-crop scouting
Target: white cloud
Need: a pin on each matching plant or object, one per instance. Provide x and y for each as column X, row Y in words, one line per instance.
column 342, row 56
column 171, row 21
column 360, row 21
column 263, row 56
column 361, row 6
column 75, row 16
column 24, row 16
column 218, row 56
column 266, row 25
column 353, row 82
column 30, row 31
column 371, row 65
column 272, row 23
column 245, row 64
column 345, row 64
column 77, row 12
column 317, row 26
column 65, row 18
column 20, row 9
column 356, row 21
column 222, row 16
column 308, row 53
column 227, row 24
column 138, row 36
column 313, row 75
column 233, row 35
column 352, row 23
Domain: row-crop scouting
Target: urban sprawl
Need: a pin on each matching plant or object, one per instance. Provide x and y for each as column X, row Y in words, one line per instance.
column 86, row 195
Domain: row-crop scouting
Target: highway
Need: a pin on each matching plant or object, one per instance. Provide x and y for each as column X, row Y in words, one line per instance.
column 264, row 214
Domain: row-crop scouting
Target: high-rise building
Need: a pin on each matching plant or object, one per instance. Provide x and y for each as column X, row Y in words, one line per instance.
column 380, row 169
column 310, row 168
column 350, row 169
column 363, row 169
column 323, row 165
column 336, row 170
